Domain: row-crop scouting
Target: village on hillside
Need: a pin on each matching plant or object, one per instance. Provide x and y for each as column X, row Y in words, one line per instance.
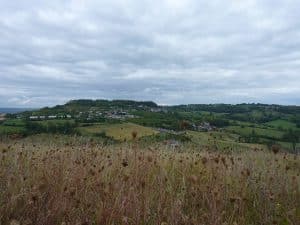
column 94, row 113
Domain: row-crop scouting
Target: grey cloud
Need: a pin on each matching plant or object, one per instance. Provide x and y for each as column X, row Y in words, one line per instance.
column 169, row 51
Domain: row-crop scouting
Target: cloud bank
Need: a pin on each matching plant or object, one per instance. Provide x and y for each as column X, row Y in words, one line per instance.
column 168, row 51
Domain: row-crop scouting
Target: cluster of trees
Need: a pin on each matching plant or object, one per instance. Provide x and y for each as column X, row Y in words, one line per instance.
column 254, row 117
column 107, row 104
column 239, row 108
column 252, row 138
column 50, row 127
column 292, row 136
column 176, row 120
column 160, row 120
column 296, row 120
column 218, row 122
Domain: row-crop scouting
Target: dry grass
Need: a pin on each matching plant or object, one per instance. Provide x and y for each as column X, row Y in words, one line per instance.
column 119, row 132
column 51, row 183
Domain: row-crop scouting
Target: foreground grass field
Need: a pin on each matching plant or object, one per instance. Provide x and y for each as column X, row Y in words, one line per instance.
column 61, row 180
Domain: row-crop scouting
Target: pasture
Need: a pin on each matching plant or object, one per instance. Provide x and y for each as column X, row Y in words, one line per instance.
column 120, row 131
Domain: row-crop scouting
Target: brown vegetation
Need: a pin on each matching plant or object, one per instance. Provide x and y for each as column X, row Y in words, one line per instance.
column 51, row 183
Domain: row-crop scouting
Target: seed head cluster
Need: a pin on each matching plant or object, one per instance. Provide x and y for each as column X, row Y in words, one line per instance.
column 66, row 181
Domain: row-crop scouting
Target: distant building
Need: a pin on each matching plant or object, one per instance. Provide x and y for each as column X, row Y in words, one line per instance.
column 52, row 117
column 205, row 126
column 33, row 117
column 155, row 110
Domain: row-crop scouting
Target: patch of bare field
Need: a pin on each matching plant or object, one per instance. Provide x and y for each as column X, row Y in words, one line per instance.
column 48, row 183
column 2, row 117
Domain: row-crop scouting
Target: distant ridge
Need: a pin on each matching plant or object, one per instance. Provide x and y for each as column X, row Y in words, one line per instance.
column 85, row 105
column 117, row 102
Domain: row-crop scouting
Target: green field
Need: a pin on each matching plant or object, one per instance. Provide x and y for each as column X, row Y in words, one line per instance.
column 119, row 132
column 11, row 129
column 284, row 124
column 222, row 141
column 270, row 133
column 14, row 123
column 288, row 145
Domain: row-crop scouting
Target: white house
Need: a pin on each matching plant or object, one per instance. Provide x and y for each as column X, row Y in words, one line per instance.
column 33, row 117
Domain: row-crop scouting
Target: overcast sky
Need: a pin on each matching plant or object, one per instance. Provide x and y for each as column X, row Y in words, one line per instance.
column 171, row 52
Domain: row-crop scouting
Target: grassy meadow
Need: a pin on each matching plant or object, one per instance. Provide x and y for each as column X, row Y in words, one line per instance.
column 221, row 141
column 270, row 133
column 119, row 131
column 6, row 130
column 283, row 124
column 49, row 180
